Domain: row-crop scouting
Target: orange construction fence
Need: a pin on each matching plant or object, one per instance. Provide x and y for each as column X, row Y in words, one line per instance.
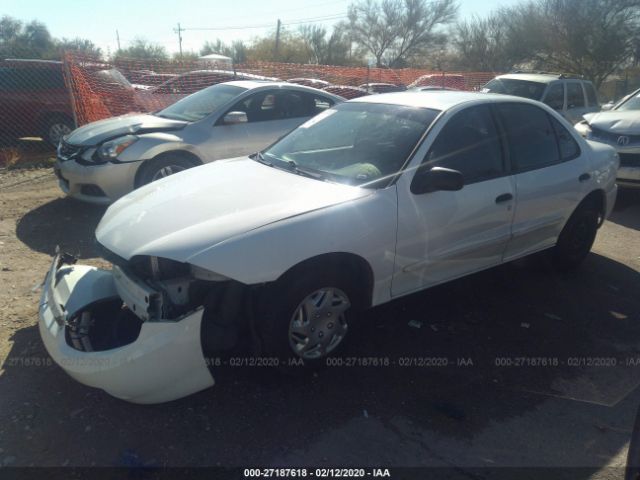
column 100, row 89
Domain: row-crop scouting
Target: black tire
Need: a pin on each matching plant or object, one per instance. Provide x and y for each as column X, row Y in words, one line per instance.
column 274, row 315
column 55, row 127
column 163, row 166
column 633, row 456
column 576, row 238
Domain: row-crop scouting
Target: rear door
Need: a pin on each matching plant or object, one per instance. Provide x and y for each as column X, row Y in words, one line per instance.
column 550, row 175
column 593, row 104
column 576, row 101
column 446, row 234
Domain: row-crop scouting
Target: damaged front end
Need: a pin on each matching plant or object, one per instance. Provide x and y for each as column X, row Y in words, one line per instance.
column 133, row 331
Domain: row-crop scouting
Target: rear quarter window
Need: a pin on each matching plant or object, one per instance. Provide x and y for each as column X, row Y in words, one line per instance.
column 592, row 97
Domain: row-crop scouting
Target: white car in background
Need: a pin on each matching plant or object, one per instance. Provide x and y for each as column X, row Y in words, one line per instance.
column 369, row 201
column 620, row 128
column 572, row 97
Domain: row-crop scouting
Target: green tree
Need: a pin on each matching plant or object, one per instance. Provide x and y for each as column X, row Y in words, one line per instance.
column 25, row 40
column 82, row 45
column 291, row 49
column 142, row 49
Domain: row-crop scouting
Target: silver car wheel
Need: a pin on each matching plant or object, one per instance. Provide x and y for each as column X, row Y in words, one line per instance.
column 166, row 171
column 318, row 324
column 57, row 131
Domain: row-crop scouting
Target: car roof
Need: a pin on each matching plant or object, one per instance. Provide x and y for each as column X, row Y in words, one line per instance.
column 439, row 99
column 538, row 77
column 251, row 84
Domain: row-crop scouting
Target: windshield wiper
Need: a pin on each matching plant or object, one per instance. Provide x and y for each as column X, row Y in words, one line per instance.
column 305, row 172
column 260, row 158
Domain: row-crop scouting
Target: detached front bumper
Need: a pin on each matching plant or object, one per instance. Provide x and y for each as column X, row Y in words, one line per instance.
column 164, row 362
column 101, row 184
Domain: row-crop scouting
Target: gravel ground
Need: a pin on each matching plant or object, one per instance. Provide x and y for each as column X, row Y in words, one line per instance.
column 471, row 413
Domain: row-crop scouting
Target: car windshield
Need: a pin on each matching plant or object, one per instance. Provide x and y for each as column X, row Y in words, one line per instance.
column 358, row 143
column 201, row 104
column 519, row 88
column 631, row 103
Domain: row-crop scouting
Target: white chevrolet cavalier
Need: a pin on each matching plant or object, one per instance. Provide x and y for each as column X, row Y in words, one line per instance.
column 371, row 200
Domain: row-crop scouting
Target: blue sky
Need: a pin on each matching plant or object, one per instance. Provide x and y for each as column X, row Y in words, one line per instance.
column 155, row 20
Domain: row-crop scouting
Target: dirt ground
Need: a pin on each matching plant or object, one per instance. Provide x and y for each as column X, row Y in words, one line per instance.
column 488, row 413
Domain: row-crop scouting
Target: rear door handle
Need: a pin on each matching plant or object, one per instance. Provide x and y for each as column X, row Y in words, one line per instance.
column 505, row 197
column 584, row 177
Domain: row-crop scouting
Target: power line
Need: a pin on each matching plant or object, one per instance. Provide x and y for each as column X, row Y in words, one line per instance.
column 324, row 18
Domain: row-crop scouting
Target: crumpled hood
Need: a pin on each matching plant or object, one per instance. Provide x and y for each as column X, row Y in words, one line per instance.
column 94, row 133
column 620, row 122
column 182, row 215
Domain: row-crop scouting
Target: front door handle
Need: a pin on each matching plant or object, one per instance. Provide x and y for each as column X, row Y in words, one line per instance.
column 584, row 177
column 505, row 197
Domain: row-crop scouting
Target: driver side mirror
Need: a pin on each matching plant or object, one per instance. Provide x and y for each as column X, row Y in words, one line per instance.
column 233, row 118
column 436, row 179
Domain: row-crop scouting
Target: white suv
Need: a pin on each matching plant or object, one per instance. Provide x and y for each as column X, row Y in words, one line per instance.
column 571, row 97
column 368, row 201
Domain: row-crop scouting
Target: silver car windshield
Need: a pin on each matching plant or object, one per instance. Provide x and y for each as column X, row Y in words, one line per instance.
column 364, row 144
column 632, row 103
column 201, row 104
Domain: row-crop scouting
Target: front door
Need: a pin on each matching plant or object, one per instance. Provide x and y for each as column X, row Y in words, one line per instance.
column 447, row 234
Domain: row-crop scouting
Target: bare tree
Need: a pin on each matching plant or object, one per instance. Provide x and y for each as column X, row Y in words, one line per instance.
column 590, row 37
column 397, row 31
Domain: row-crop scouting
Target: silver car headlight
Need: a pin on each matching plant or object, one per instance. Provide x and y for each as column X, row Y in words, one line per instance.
column 111, row 149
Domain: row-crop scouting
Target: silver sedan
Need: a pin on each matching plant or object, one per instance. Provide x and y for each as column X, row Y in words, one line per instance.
column 102, row 161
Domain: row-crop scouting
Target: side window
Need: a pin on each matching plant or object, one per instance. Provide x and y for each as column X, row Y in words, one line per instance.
column 322, row 104
column 258, row 107
column 531, row 138
column 575, row 95
column 555, row 96
column 569, row 148
column 592, row 97
column 290, row 104
column 469, row 143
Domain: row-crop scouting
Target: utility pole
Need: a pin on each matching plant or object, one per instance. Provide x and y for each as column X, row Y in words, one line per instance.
column 179, row 31
column 118, row 39
column 279, row 24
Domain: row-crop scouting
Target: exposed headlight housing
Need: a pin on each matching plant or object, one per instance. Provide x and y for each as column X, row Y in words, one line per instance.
column 583, row 128
column 111, row 149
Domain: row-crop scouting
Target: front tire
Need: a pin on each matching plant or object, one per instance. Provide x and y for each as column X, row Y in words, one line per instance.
column 307, row 316
column 576, row 239
column 162, row 167
column 55, row 128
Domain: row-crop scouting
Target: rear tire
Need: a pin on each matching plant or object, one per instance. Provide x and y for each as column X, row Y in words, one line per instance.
column 576, row 239
column 162, row 167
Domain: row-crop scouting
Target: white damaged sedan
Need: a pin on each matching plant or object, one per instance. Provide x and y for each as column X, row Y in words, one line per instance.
column 371, row 200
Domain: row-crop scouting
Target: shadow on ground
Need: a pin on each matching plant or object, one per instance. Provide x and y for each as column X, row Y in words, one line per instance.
column 453, row 414
column 627, row 209
column 65, row 222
